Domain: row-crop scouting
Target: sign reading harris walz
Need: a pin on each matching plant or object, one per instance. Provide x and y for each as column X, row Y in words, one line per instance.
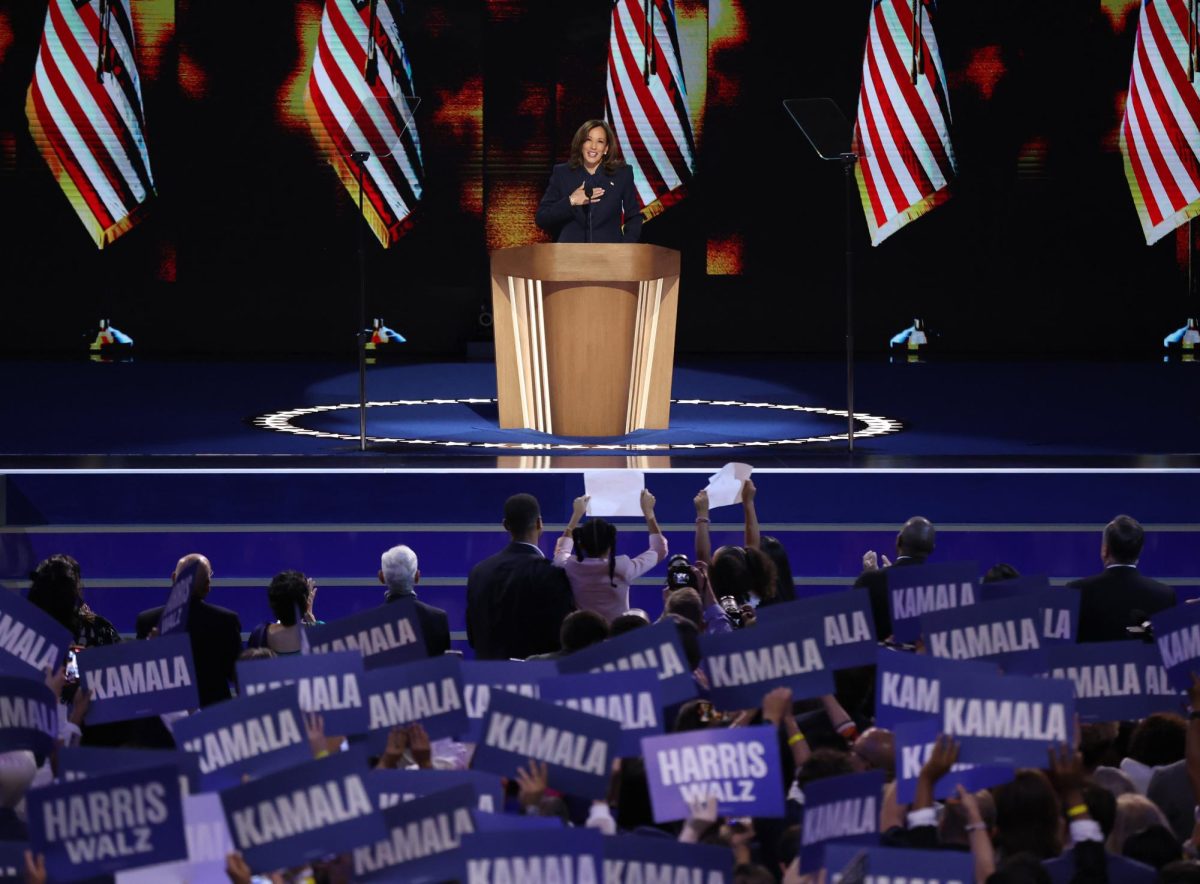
column 914, row 590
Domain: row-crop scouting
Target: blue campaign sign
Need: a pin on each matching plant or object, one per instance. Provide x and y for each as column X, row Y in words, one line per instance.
column 739, row 766
column 511, row 822
column 656, row 647
column 28, row 716
column 391, row 787
column 1059, row 607
column 385, row 636
column 175, row 612
column 429, row 691
column 245, row 735
column 331, row 684
column 12, row 861
column 842, row 810
column 74, row 825
column 29, row 636
column 914, row 744
column 915, row 590
column 77, row 762
column 1002, row 631
column 138, row 679
column 633, row 699
column 902, row 864
column 636, row 858
column 908, row 686
column 482, row 677
column 532, row 858
column 1114, row 681
column 208, row 844
column 847, row 627
column 292, row 816
column 1177, row 634
column 421, row 841
column 577, row 747
column 1009, row 720
column 745, row 664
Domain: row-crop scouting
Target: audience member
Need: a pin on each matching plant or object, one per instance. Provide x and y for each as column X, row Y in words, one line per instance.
column 56, row 586
column 1119, row 596
column 785, row 582
column 516, row 599
column 399, row 572
column 290, row 596
column 215, row 632
column 914, row 544
column 634, row 618
column 580, row 629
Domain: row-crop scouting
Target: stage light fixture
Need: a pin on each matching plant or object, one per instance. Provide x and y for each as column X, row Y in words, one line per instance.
column 911, row 340
column 110, row 344
column 1183, row 342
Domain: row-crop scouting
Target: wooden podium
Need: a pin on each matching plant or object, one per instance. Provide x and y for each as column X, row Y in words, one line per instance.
column 585, row 336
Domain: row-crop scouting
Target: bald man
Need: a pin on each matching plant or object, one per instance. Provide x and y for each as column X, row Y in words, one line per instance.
column 216, row 633
column 914, row 544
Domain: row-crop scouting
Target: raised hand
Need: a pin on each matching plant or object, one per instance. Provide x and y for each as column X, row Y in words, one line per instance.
column 532, row 783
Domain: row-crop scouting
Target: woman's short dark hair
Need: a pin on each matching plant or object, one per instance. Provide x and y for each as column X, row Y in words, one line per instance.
column 56, row 586
column 612, row 160
column 1000, row 571
column 785, row 583
column 1028, row 815
column 592, row 538
column 580, row 629
column 1158, row 739
column 287, row 594
column 739, row 571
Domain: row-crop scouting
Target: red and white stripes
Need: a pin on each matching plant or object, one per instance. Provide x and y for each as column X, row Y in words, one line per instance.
column 647, row 101
column 85, row 113
column 902, row 132
column 1160, row 134
column 352, row 112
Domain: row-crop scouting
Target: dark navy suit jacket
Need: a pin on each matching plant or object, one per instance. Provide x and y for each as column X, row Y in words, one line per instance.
column 619, row 205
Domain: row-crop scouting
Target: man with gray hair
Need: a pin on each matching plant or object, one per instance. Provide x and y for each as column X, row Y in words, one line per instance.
column 399, row 572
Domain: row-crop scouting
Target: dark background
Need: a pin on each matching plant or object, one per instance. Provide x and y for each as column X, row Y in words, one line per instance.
column 251, row 247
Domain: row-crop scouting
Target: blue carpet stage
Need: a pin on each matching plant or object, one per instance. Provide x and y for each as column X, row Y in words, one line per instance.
column 772, row 413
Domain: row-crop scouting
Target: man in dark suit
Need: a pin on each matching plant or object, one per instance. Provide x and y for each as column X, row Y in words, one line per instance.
column 914, row 544
column 398, row 571
column 516, row 599
column 216, row 633
column 1119, row 596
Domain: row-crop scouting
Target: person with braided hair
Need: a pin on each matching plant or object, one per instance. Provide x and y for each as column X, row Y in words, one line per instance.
column 599, row 577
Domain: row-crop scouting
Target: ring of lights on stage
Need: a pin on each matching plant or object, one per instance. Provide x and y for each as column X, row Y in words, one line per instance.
column 284, row 422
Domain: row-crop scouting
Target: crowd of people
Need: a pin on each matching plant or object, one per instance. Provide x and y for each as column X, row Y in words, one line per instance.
column 1118, row 803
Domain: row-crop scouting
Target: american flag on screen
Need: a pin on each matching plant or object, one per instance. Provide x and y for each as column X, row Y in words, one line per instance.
column 85, row 113
column 1160, row 132
column 647, row 101
column 360, row 98
column 902, row 133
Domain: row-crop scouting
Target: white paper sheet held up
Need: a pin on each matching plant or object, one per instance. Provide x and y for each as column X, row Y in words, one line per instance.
column 614, row 492
column 725, row 485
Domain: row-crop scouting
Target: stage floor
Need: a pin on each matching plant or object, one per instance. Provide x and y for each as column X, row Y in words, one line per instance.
column 433, row 415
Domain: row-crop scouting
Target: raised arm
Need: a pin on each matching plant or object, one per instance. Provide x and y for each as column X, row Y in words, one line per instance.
column 703, row 544
column 566, row 541
column 648, row 502
column 752, row 536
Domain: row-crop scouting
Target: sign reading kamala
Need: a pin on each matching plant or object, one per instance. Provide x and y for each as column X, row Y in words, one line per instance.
column 245, row 735
column 632, row 699
column 429, row 691
column 137, row 679
column 424, row 835
column 847, row 631
column 914, row 745
column 908, row 686
column 77, row 762
column 915, row 590
column 28, row 716
column 391, row 787
column 292, row 816
column 841, row 809
column 891, row 865
column 103, row 824
column 1177, row 634
column 29, row 635
column 747, row 663
column 630, row 858
column 1114, row 681
column 657, row 647
column 740, row 767
column 385, row 635
column 1010, row 720
column 579, row 748
column 1059, row 607
column 481, row 677
column 330, row 684
column 571, row 856
column 998, row 631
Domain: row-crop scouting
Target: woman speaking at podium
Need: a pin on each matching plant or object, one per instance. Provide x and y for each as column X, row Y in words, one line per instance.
column 592, row 193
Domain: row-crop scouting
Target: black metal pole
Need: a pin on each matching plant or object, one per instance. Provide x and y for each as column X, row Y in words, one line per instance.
column 360, row 158
column 848, row 161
